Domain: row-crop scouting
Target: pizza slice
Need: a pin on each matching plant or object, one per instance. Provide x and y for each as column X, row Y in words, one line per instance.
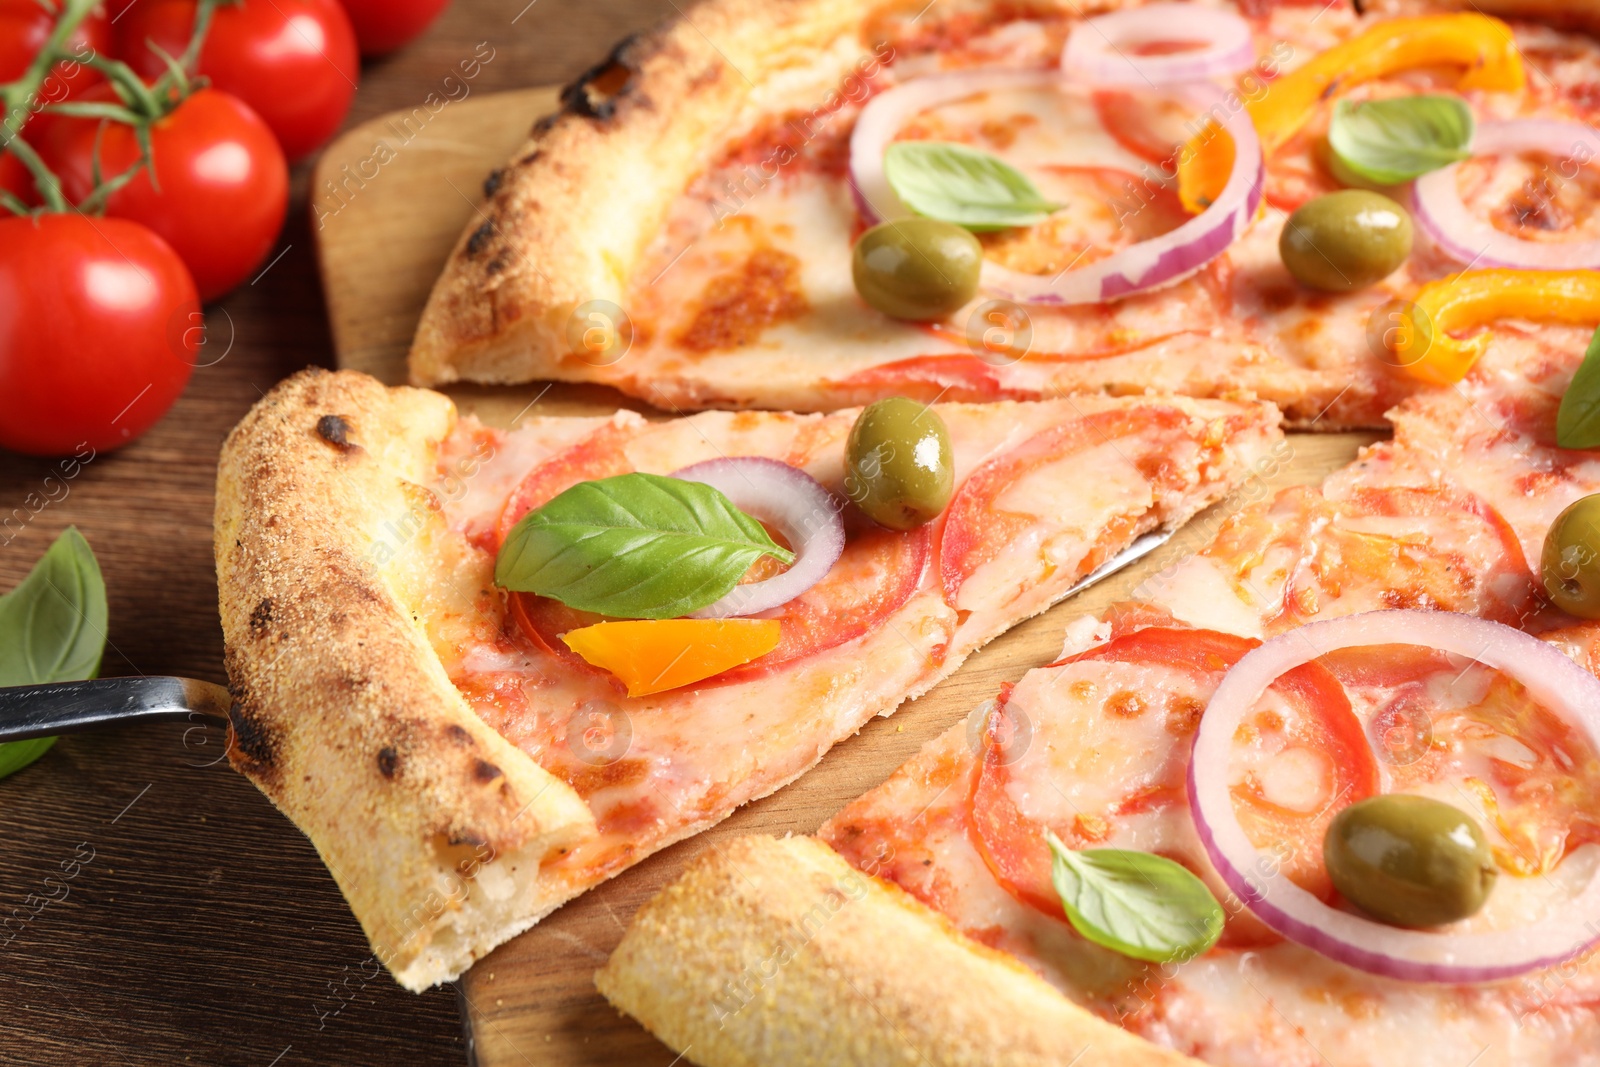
column 485, row 670
column 736, row 166
column 1275, row 719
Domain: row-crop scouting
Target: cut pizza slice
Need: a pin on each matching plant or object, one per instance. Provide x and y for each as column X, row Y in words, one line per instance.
column 1419, row 656
column 485, row 669
column 689, row 227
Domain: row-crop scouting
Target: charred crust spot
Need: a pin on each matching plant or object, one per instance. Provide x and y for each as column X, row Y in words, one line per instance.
column 491, row 184
column 529, row 159
column 261, row 618
column 597, row 91
column 495, row 265
column 484, row 771
column 470, row 838
column 480, row 238
column 458, row 734
column 336, row 431
column 541, row 127
column 388, row 762
column 253, row 740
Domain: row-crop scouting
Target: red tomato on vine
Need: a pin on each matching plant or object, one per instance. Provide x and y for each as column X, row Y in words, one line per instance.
column 15, row 179
column 293, row 61
column 221, row 189
column 99, row 337
column 384, row 25
column 25, row 26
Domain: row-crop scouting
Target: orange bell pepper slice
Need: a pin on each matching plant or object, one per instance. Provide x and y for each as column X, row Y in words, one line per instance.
column 655, row 655
column 1426, row 350
column 1482, row 46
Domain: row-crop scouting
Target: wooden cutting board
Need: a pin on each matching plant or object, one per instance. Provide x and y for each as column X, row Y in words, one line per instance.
column 388, row 200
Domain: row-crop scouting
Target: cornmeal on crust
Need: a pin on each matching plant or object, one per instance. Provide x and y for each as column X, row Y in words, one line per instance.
column 586, row 193
column 433, row 825
column 769, row 951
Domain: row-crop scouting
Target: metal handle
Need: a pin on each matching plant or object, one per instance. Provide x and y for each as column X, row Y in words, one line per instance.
column 73, row 707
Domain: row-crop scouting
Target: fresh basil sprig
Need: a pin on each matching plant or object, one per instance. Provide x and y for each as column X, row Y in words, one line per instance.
column 52, row 629
column 955, row 183
column 1136, row 903
column 1395, row 140
column 1578, row 420
column 637, row 546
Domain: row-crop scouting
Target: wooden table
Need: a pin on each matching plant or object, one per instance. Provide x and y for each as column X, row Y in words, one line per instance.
column 204, row 929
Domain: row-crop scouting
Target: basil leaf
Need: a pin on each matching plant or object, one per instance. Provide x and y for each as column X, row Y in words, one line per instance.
column 1136, row 903
column 954, row 183
column 1578, row 420
column 1392, row 141
column 638, row 546
column 52, row 629
column 15, row 755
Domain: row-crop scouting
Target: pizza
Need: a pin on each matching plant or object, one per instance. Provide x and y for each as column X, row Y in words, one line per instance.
column 685, row 228
column 949, row 860
column 475, row 665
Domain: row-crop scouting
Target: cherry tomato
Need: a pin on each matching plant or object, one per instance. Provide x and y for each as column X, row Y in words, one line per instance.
column 293, row 61
column 222, row 185
column 26, row 24
column 24, row 27
column 383, row 25
column 99, row 336
column 15, row 179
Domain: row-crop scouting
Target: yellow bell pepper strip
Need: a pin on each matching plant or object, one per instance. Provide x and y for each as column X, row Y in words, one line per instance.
column 1481, row 45
column 1478, row 297
column 655, row 655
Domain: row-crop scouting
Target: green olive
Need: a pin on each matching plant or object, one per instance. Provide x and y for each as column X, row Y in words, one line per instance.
column 916, row 268
column 1409, row 860
column 899, row 466
column 1346, row 240
column 1571, row 559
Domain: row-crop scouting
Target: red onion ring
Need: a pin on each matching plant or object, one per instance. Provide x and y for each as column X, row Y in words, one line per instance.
column 1414, row 955
column 794, row 502
column 1151, row 264
column 885, row 113
column 1470, row 239
column 1097, row 50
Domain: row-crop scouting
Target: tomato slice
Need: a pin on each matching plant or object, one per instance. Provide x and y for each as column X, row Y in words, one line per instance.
column 1150, row 126
column 599, row 455
column 977, row 531
column 877, row 573
column 1465, row 557
column 952, row 378
column 1311, row 724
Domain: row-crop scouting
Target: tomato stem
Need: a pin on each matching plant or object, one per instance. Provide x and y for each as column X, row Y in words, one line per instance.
column 20, row 96
column 144, row 101
column 145, row 104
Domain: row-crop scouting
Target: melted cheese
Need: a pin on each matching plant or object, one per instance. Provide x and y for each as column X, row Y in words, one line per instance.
column 1241, row 323
column 656, row 768
column 1098, row 733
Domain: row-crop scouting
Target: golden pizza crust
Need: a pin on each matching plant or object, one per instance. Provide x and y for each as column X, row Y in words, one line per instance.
column 433, row 825
column 568, row 218
column 776, row 951
column 340, row 575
